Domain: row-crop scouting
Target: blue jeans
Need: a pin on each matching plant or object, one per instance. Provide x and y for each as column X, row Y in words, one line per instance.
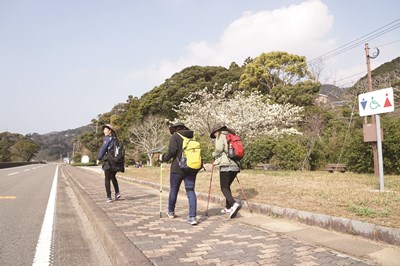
column 175, row 181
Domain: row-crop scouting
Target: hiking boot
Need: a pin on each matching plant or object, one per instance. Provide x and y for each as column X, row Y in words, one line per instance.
column 108, row 200
column 170, row 214
column 117, row 196
column 226, row 211
column 192, row 220
column 234, row 210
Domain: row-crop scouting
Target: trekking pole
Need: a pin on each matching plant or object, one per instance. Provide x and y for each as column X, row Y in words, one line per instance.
column 161, row 177
column 209, row 187
column 244, row 195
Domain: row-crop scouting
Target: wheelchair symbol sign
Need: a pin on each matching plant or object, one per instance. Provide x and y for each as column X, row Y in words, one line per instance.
column 376, row 102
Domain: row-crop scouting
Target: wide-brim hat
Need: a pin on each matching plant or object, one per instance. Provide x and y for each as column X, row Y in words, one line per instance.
column 215, row 128
column 178, row 124
column 109, row 126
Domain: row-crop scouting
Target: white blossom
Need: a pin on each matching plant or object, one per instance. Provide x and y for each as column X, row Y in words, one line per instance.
column 248, row 114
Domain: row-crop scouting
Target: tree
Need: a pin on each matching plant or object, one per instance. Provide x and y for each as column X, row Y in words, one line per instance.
column 24, row 150
column 250, row 115
column 314, row 124
column 300, row 94
column 149, row 135
column 271, row 69
column 161, row 99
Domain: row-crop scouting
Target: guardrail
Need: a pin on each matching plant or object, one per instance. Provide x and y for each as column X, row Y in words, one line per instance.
column 15, row 164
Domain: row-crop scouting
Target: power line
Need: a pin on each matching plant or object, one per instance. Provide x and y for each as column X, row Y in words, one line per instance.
column 351, row 76
column 358, row 43
column 365, row 38
column 386, row 44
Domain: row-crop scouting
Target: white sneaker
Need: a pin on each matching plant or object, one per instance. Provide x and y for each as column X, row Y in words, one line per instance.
column 235, row 208
column 192, row 220
column 170, row 214
column 226, row 211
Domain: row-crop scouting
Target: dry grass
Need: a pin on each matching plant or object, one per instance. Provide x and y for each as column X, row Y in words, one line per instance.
column 349, row 195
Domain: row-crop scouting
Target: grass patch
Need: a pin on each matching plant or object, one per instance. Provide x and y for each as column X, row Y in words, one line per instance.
column 348, row 195
column 83, row 164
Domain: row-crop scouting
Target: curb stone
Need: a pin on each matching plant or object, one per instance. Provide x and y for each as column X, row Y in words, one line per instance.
column 118, row 247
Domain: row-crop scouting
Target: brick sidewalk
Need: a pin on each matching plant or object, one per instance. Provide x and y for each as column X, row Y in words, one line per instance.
column 216, row 240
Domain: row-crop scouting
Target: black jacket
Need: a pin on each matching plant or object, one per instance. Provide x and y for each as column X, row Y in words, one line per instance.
column 175, row 150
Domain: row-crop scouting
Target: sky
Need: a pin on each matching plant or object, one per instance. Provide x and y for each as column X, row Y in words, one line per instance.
column 62, row 63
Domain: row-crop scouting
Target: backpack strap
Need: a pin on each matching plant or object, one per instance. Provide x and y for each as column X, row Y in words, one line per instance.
column 185, row 140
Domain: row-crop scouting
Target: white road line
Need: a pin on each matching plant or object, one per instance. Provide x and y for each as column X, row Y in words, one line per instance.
column 42, row 255
column 13, row 173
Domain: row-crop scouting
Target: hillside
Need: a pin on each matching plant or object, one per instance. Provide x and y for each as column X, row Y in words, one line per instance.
column 386, row 75
column 56, row 145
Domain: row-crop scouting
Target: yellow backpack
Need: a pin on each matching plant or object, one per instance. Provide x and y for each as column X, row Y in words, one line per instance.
column 191, row 155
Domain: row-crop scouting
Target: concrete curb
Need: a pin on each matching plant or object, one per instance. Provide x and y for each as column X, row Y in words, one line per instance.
column 343, row 225
column 118, row 247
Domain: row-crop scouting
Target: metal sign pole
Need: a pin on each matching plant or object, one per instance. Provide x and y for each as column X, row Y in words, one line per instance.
column 380, row 158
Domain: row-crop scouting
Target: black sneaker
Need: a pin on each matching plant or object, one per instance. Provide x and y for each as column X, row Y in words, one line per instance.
column 108, row 200
column 117, row 196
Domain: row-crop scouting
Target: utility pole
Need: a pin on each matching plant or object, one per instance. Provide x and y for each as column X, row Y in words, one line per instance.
column 373, row 120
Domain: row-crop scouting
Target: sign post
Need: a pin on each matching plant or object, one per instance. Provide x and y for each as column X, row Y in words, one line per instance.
column 375, row 103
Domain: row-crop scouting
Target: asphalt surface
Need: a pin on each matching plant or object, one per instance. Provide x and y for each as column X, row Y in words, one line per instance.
column 24, row 193
column 133, row 233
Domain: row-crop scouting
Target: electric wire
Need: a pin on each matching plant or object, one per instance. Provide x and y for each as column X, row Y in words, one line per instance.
column 356, row 44
column 365, row 38
column 386, row 44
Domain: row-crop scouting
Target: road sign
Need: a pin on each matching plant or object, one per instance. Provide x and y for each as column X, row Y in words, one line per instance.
column 376, row 102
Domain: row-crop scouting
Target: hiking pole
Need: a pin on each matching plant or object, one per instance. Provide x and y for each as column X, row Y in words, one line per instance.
column 209, row 188
column 244, row 195
column 161, row 177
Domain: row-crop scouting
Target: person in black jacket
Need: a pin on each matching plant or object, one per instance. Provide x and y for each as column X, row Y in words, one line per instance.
column 110, row 175
column 176, row 173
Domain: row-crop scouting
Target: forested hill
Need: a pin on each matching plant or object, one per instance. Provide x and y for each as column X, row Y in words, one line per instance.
column 164, row 97
column 161, row 100
column 386, row 75
column 56, row 145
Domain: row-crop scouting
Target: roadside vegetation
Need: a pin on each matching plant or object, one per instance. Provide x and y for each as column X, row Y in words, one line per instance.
column 348, row 195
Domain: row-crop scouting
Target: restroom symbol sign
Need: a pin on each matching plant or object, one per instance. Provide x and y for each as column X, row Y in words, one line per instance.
column 376, row 102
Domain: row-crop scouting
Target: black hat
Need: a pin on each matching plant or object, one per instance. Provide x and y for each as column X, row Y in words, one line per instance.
column 215, row 128
column 178, row 124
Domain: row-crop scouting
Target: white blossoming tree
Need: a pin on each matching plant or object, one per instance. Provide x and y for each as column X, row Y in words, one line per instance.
column 248, row 114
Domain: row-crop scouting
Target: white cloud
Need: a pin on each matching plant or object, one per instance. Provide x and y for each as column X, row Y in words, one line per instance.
column 300, row 29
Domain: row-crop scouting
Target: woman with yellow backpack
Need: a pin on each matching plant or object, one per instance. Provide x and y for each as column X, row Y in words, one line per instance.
column 179, row 134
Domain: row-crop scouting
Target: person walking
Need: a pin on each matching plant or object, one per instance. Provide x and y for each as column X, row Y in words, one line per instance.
column 109, row 173
column 177, row 175
column 228, row 169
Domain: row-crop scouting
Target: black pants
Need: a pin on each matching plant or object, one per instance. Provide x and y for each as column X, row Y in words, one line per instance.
column 226, row 179
column 110, row 175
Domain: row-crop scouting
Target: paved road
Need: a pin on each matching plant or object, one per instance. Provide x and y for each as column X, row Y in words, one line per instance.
column 216, row 240
column 24, row 195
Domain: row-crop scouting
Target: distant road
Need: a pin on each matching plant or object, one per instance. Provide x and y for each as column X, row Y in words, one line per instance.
column 24, row 196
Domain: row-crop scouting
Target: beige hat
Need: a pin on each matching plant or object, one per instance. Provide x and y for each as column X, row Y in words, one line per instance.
column 109, row 126
column 215, row 128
